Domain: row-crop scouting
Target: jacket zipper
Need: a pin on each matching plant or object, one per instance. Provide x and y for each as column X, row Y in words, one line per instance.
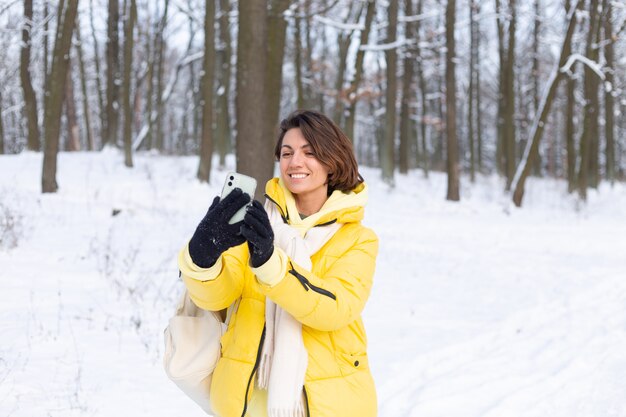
column 256, row 365
column 306, row 402
column 307, row 284
column 282, row 214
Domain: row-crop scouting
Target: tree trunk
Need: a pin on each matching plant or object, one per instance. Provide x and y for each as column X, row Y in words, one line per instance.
column 343, row 41
column 509, row 99
column 570, row 148
column 151, row 45
column 206, row 146
column 353, row 93
column 500, row 136
column 160, row 106
column 471, row 89
column 96, row 59
column 83, row 87
column 2, row 151
column 406, row 125
column 452, row 144
column 54, row 95
column 569, row 135
column 222, row 114
column 424, row 161
column 590, row 121
column 542, row 114
column 73, row 135
column 479, row 124
column 594, row 102
column 45, row 50
column 30, row 99
column 276, row 39
column 297, row 52
column 609, row 106
column 388, row 146
column 109, row 136
column 254, row 150
column 536, row 75
column 129, row 33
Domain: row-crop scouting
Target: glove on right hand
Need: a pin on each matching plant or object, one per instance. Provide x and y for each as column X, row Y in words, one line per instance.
column 214, row 234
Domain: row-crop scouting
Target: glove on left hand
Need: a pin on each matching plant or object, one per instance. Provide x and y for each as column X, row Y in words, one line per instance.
column 258, row 232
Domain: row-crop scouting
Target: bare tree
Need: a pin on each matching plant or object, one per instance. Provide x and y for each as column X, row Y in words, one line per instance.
column 353, row 95
column 424, row 161
column 1, row 128
column 109, row 136
column 130, row 16
column 254, row 151
column 570, row 103
column 54, row 95
column 297, row 39
column 587, row 166
column 206, row 146
column 452, row 143
column 83, row 86
column 343, row 41
column 406, row 124
column 472, row 87
column 536, row 75
column 222, row 112
column 160, row 77
column 96, row 60
column 508, row 91
column 276, row 34
column 73, row 134
column 30, row 99
column 609, row 91
column 387, row 152
column 543, row 111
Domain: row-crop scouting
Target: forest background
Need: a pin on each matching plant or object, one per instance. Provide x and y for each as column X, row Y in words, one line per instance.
column 113, row 108
column 463, row 86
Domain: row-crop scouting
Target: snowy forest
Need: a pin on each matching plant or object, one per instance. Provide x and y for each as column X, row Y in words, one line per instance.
column 120, row 120
column 520, row 89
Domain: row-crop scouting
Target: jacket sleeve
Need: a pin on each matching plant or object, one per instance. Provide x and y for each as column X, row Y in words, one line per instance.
column 217, row 287
column 335, row 300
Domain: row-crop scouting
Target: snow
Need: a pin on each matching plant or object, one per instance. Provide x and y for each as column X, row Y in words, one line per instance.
column 478, row 308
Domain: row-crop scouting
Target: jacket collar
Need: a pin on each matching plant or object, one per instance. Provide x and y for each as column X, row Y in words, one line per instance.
column 340, row 207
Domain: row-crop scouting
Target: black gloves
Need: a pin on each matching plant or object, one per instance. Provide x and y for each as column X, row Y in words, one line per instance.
column 214, row 235
column 258, row 232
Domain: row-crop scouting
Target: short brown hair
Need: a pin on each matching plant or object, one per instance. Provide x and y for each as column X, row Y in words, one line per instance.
column 331, row 146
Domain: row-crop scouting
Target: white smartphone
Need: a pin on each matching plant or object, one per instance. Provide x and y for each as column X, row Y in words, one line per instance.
column 247, row 185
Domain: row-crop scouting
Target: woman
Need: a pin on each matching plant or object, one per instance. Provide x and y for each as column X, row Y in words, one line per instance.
column 298, row 274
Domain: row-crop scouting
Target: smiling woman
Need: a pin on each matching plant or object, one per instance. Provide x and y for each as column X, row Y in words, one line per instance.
column 295, row 344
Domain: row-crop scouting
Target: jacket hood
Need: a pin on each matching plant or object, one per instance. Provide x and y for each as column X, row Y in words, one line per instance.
column 340, row 207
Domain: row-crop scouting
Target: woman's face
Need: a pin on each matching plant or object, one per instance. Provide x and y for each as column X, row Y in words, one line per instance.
column 301, row 171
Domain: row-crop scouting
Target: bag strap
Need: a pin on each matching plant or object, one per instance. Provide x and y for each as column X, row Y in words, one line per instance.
column 232, row 309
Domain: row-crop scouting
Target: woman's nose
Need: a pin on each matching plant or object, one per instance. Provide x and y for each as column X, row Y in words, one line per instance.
column 296, row 159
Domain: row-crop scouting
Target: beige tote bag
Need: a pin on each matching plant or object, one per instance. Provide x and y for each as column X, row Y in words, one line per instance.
column 192, row 349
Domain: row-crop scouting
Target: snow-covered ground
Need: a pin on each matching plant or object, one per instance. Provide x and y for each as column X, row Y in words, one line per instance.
column 478, row 308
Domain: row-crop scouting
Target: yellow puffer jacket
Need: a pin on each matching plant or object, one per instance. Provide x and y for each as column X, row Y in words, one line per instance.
column 328, row 301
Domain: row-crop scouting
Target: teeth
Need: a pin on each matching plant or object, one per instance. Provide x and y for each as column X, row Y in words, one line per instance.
column 298, row 176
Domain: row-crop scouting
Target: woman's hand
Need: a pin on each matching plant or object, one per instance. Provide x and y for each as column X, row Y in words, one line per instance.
column 214, row 234
column 258, row 232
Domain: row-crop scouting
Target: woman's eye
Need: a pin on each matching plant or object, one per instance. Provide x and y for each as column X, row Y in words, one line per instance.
column 310, row 154
column 285, row 155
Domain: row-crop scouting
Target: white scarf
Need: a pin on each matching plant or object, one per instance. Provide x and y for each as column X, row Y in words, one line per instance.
column 284, row 357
